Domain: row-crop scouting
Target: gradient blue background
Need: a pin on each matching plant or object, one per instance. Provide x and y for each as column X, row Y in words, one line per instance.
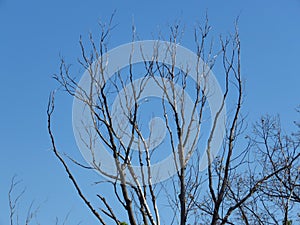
column 34, row 33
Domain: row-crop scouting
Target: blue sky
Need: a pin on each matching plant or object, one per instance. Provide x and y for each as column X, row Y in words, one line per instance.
column 34, row 33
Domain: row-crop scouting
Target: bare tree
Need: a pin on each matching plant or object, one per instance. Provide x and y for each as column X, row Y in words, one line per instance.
column 207, row 188
column 279, row 196
column 14, row 198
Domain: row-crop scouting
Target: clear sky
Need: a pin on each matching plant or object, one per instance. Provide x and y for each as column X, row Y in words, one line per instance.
column 33, row 33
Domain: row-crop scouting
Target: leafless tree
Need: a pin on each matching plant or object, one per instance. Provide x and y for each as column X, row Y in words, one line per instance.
column 227, row 190
column 279, row 196
column 14, row 198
